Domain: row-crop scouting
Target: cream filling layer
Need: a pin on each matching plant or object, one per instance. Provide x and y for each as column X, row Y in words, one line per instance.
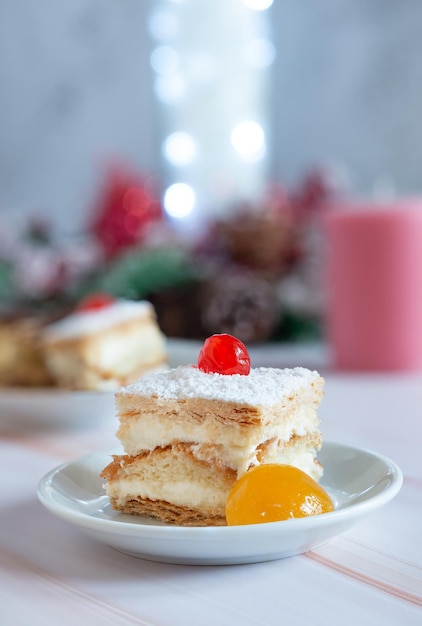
column 301, row 455
column 232, row 445
column 184, row 492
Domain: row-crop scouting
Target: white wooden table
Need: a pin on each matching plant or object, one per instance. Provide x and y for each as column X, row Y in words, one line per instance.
column 50, row 573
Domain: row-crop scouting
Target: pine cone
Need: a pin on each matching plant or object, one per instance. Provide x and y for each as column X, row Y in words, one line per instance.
column 241, row 303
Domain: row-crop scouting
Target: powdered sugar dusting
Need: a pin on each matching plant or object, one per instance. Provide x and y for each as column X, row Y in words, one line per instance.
column 82, row 323
column 264, row 386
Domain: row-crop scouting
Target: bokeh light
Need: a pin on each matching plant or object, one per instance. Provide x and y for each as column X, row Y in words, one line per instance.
column 248, row 139
column 179, row 200
column 164, row 60
column 212, row 100
column 179, row 148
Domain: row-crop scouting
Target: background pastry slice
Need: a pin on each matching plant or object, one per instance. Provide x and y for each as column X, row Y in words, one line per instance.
column 104, row 347
column 21, row 359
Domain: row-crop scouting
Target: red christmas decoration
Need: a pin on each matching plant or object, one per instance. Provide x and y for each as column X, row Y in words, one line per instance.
column 126, row 209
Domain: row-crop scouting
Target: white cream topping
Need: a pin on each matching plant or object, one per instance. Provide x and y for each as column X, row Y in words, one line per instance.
column 262, row 386
column 82, row 323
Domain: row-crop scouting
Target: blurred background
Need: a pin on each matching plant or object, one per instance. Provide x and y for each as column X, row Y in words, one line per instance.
column 185, row 151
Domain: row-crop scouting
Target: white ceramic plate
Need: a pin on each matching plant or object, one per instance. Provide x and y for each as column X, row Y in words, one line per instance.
column 54, row 408
column 359, row 481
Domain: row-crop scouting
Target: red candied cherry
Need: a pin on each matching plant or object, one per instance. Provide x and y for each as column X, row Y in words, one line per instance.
column 224, row 354
column 95, row 301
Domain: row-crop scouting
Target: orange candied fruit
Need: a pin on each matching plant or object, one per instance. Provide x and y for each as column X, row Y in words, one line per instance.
column 273, row 492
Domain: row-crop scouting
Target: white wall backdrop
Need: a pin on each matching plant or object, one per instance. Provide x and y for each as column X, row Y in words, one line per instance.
column 348, row 84
column 76, row 88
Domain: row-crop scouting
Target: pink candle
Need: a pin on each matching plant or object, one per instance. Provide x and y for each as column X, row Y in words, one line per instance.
column 374, row 286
